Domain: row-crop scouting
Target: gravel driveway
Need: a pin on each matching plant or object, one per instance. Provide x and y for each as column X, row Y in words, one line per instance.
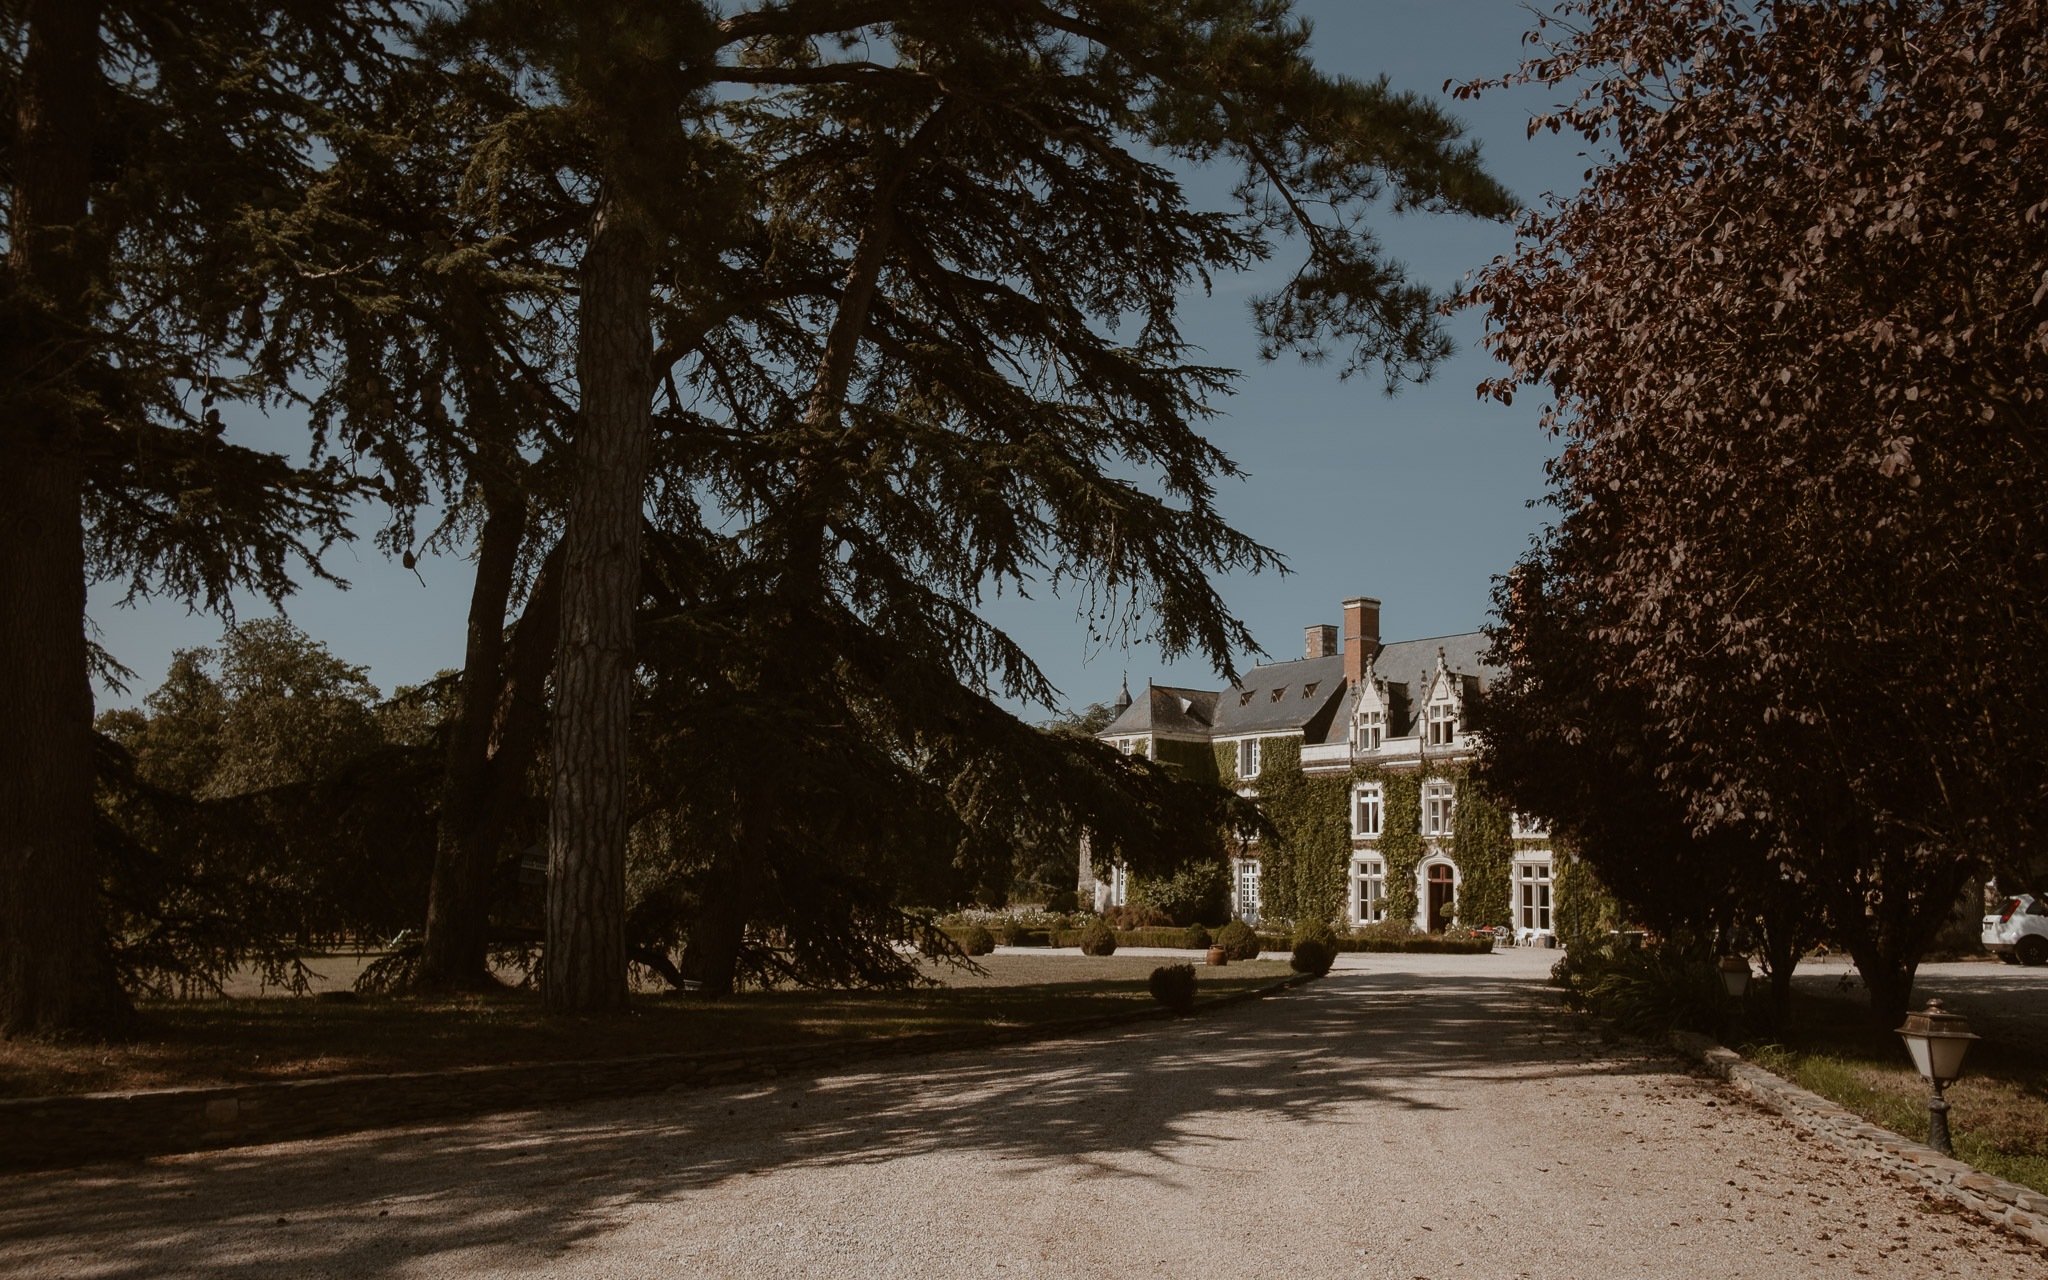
column 1407, row 1117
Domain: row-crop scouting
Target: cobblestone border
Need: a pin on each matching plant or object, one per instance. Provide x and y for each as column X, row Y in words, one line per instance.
column 2020, row 1208
column 57, row 1132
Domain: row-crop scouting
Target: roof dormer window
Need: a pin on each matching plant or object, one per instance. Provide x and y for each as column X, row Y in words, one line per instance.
column 1245, row 699
column 1309, row 690
column 1372, row 726
column 1443, row 724
column 1279, row 693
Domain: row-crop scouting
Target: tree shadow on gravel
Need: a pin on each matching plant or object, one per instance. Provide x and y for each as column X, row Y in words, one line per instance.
column 514, row 1190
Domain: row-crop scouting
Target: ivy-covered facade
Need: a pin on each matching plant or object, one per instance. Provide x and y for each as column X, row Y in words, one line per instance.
column 1360, row 754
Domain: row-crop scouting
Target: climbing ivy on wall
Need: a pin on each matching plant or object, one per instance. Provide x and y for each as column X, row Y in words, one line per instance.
column 1400, row 840
column 1195, row 761
column 1581, row 906
column 1483, row 846
column 1305, row 869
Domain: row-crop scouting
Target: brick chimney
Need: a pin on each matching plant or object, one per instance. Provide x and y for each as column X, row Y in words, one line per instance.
column 1322, row 641
column 1361, row 636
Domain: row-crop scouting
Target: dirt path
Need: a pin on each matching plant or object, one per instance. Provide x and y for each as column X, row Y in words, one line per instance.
column 1407, row 1117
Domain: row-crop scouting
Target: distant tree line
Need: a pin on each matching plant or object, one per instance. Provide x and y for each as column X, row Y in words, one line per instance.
column 1782, row 661
column 746, row 348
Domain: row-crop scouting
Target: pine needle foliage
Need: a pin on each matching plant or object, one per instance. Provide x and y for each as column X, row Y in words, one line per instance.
column 148, row 148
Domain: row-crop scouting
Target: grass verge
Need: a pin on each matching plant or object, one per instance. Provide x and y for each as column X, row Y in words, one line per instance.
column 1998, row 1112
column 241, row 1040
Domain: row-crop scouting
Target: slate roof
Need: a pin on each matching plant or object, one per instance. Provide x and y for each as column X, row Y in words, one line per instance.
column 1165, row 709
column 1408, row 665
column 1323, row 716
column 1259, row 713
column 1414, row 661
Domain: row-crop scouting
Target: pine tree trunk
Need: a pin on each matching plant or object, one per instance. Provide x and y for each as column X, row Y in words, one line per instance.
column 454, row 953
column 585, row 960
column 55, row 973
column 718, row 934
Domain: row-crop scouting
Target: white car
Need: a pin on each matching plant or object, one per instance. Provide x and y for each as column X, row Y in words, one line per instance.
column 2018, row 934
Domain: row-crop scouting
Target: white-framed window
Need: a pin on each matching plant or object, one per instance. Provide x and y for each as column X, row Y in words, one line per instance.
column 1248, row 888
column 1248, row 758
column 1436, row 808
column 1370, row 898
column 1524, row 826
column 1367, row 809
column 1124, row 745
column 1443, row 724
column 1372, row 726
column 1119, row 885
column 1532, row 896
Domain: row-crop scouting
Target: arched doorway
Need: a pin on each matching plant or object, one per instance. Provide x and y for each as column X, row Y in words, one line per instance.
column 1443, row 897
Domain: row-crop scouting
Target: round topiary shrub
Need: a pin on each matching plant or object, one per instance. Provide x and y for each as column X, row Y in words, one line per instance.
column 1196, row 938
column 1173, row 985
column 1238, row 941
column 1316, row 931
column 1098, row 940
column 1015, row 934
column 976, row 941
column 1312, row 956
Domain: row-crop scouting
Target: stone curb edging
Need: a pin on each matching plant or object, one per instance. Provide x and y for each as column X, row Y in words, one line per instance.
column 2022, row 1209
column 58, row 1132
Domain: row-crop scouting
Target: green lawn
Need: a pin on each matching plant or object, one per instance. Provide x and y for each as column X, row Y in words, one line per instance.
column 1998, row 1112
column 221, row 1041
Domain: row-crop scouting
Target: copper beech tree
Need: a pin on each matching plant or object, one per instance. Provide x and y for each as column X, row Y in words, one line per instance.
column 1792, row 336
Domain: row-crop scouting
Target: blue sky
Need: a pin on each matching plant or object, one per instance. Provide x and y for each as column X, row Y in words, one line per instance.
column 1419, row 499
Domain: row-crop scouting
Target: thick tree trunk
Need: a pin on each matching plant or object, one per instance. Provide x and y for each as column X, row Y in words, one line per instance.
column 718, row 934
column 585, row 960
column 455, row 949
column 1889, row 979
column 493, row 792
column 55, row 974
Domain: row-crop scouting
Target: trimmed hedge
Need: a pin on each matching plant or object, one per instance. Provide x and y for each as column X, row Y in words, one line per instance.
column 1176, row 938
column 976, row 941
column 1424, row 946
column 1029, row 937
column 1269, row 943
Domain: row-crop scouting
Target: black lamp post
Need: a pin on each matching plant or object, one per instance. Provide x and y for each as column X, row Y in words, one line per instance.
column 1735, row 981
column 1735, row 976
column 1938, row 1040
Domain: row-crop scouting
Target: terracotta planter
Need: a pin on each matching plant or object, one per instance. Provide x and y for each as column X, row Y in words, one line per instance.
column 1216, row 956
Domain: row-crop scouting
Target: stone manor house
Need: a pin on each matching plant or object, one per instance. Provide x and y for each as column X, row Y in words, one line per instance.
column 1388, row 709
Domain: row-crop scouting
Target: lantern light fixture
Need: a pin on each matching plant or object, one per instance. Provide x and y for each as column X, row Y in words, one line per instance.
column 1938, row 1041
column 1735, row 975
